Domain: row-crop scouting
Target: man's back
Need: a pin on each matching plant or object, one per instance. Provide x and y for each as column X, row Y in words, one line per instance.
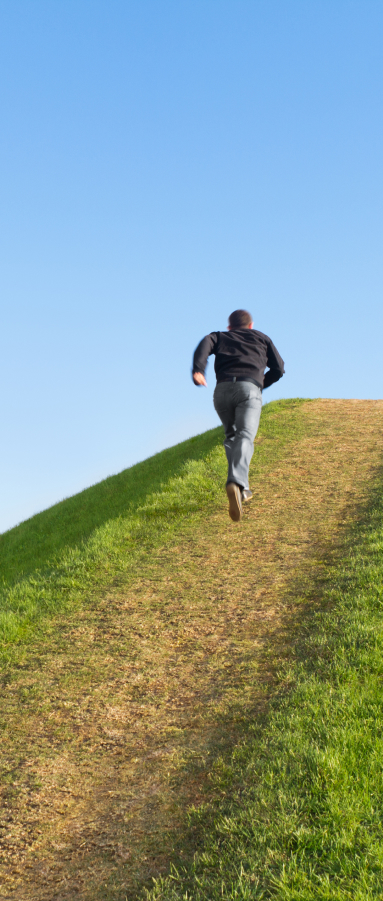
column 240, row 352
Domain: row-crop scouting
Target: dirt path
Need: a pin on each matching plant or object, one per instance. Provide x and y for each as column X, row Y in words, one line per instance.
column 107, row 735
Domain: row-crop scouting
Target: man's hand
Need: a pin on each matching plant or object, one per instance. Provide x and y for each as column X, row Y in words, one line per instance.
column 199, row 379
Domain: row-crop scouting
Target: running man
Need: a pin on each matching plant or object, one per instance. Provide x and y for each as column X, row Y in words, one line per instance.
column 241, row 356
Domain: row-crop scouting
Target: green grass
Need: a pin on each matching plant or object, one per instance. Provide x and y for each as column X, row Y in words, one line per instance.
column 37, row 543
column 70, row 553
column 297, row 813
column 296, row 810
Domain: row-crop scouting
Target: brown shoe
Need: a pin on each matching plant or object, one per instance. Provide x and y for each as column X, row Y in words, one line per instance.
column 246, row 495
column 234, row 493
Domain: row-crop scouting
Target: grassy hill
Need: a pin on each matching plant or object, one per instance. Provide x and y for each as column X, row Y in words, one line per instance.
column 179, row 690
column 37, row 543
column 48, row 561
column 51, row 561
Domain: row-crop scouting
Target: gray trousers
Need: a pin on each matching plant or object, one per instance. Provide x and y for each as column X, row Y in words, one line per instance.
column 239, row 406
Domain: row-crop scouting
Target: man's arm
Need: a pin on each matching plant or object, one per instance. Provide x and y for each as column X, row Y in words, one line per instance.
column 275, row 364
column 202, row 352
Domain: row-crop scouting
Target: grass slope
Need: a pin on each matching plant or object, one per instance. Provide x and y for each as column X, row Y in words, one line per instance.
column 52, row 561
column 62, row 556
column 298, row 814
column 37, row 543
column 144, row 657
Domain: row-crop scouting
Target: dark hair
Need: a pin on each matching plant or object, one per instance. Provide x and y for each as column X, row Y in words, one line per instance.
column 239, row 319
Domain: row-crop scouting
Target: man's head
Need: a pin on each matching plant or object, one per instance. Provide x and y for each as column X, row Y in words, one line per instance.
column 240, row 319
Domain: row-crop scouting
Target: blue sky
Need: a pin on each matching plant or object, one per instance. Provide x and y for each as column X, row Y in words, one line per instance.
column 161, row 164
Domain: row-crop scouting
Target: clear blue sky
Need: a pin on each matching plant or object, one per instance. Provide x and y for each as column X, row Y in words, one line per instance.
column 161, row 164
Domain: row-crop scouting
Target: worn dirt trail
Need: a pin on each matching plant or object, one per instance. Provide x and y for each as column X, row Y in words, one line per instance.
column 111, row 726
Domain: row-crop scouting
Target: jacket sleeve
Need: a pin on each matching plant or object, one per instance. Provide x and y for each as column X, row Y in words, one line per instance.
column 275, row 364
column 205, row 348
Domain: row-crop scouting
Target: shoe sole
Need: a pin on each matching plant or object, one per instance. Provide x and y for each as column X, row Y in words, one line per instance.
column 235, row 504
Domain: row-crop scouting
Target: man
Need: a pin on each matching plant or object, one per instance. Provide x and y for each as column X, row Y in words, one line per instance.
column 241, row 356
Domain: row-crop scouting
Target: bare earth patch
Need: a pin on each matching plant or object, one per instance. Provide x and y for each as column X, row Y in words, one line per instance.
column 113, row 721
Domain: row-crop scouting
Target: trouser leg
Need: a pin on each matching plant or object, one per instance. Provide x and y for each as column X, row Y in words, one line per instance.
column 225, row 407
column 239, row 407
column 247, row 415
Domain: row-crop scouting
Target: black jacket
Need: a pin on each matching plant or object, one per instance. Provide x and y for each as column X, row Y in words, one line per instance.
column 240, row 352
